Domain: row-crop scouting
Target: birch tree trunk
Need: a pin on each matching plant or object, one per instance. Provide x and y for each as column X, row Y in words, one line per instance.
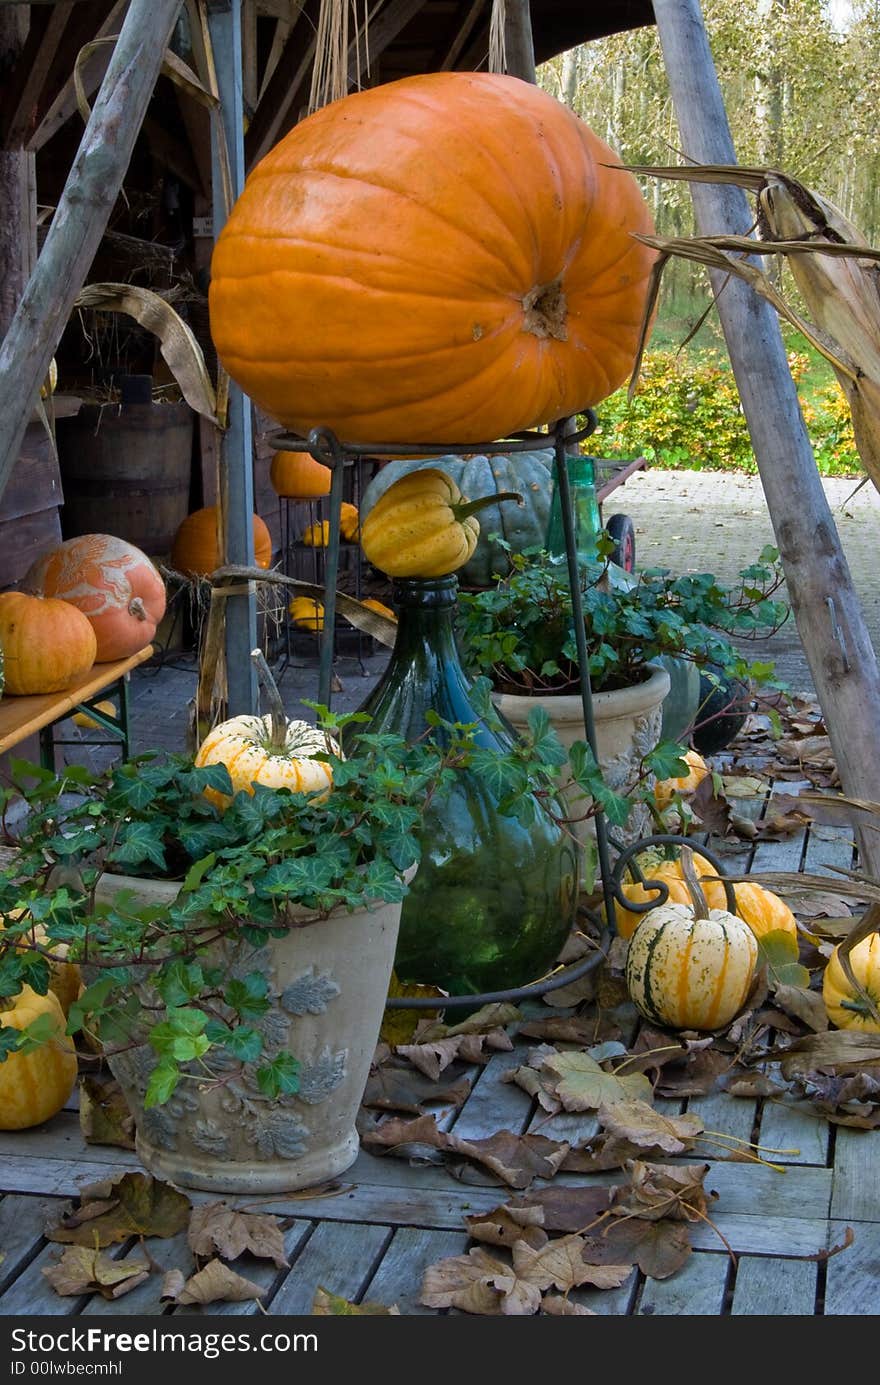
column 829, row 618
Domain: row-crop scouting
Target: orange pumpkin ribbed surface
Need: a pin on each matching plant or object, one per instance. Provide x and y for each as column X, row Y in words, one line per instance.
column 112, row 582
column 444, row 258
column 299, row 476
column 195, row 550
column 46, row 644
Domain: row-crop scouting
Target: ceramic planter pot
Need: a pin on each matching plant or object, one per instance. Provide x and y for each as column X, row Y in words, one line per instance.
column 627, row 727
column 328, row 982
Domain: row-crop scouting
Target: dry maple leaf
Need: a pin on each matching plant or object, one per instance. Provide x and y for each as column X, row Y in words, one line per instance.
column 504, row 1225
column 516, row 1159
column 395, row 1087
column 561, row 1264
column 104, row 1115
column 215, row 1228
column 663, row 1190
column 214, row 1283
column 465, row 1282
column 581, row 1084
column 136, row 1204
column 530, row 1081
column 82, row 1271
column 642, row 1125
column 554, row 1305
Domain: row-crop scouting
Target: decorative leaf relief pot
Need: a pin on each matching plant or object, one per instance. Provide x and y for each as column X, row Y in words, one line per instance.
column 327, row 985
column 628, row 724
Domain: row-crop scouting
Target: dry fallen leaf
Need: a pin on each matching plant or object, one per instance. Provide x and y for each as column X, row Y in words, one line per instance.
column 561, row 1264
column 215, row 1228
column 554, row 1305
column 663, row 1190
column 82, row 1271
column 581, row 1084
column 104, row 1114
column 395, row 1087
column 214, row 1283
column 326, row 1304
column 516, row 1159
column 641, row 1124
column 504, row 1225
column 136, row 1205
column 465, row 1282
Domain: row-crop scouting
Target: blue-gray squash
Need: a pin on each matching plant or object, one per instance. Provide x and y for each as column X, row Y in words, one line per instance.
column 522, row 526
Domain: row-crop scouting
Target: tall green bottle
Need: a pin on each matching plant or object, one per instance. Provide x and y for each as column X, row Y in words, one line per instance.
column 492, row 901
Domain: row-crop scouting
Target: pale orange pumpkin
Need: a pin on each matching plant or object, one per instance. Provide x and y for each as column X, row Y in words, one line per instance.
column 195, row 551
column 47, row 644
column 665, row 789
column 298, row 476
column 846, row 1008
column 445, row 258
column 34, row 1086
column 112, row 582
column 757, row 906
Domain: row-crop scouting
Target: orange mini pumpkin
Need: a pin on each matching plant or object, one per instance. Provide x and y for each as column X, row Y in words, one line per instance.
column 195, row 552
column 47, row 644
column 34, row 1086
column 112, row 582
column 356, row 284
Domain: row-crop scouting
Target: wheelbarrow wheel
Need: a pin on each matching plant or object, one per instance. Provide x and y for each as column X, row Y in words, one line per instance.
column 622, row 531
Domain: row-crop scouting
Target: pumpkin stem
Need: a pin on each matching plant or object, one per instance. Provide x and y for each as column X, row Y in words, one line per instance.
column 694, row 888
column 470, row 507
column 278, row 738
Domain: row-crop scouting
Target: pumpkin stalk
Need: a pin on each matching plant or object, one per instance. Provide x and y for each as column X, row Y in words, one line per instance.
column 471, row 507
column 278, row 737
column 694, row 888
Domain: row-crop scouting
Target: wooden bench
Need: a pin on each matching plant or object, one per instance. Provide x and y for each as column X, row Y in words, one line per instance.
column 21, row 717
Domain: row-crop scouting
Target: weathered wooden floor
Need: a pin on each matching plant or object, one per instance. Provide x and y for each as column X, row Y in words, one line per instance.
column 374, row 1238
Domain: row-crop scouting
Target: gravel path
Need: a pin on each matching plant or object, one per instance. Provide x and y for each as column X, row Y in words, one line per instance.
column 691, row 521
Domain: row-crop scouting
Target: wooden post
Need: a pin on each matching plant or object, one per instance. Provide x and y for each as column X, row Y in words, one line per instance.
column 18, row 226
column 826, row 608
column 80, row 218
column 518, row 43
column 236, row 446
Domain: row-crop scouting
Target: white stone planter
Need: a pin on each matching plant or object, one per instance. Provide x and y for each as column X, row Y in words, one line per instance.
column 627, row 727
column 328, row 983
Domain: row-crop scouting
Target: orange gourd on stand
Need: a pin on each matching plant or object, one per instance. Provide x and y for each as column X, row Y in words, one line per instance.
column 112, row 583
column 298, row 476
column 34, row 1086
column 357, row 283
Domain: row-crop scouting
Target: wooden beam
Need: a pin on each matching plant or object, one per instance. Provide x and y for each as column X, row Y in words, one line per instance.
column 236, row 444
column 58, row 99
column 448, row 62
column 81, row 217
column 518, row 42
column 18, row 110
column 284, row 89
column 391, row 20
column 824, row 602
column 17, row 191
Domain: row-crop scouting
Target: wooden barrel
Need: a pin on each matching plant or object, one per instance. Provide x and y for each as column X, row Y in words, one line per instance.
column 125, row 470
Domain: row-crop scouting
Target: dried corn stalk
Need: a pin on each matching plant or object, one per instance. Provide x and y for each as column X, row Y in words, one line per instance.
column 836, row 271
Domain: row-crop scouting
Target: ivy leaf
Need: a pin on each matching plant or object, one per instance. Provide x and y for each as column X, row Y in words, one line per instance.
column 181, row 1036
column 281, row 1076
column 666, row 761
column 162, row 1084
column 248, row 996
column 9, row 1039
column 139, row 842
column 197, row 872
column 180, row 982
column 243, row 1043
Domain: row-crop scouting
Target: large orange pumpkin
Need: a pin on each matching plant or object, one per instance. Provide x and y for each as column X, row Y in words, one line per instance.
column 443, row 258
column 195, row 550
column 112, row 582
column 299, row 476
column 46, row 644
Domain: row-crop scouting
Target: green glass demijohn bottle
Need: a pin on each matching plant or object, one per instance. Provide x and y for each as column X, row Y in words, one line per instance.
column 493, row 900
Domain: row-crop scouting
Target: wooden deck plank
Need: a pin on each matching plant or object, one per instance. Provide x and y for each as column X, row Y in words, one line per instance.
column 341, row 1258
column 770, row 1236
column 62, row 1138
column 828, row 847
column 31, row 1293
column 611, row 1303
column 398, row 1278
column 801, row 1135
column 22, row 1220
column 855, row 1185
column 853, row 1275
column 494, row 1105
column 775, row 1288
column 51, row 1177
column 733, row 1116
column 390, row 1206
column 698, row 1288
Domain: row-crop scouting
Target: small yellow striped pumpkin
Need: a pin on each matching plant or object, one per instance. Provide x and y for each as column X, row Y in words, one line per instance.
column 759, row 907
column 846, row 1008
column 423, row 526
column 34, row 1086
column 688, row 972
column 245, row 746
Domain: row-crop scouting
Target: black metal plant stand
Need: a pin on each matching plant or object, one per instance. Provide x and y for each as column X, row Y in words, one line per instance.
column 325, row 447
